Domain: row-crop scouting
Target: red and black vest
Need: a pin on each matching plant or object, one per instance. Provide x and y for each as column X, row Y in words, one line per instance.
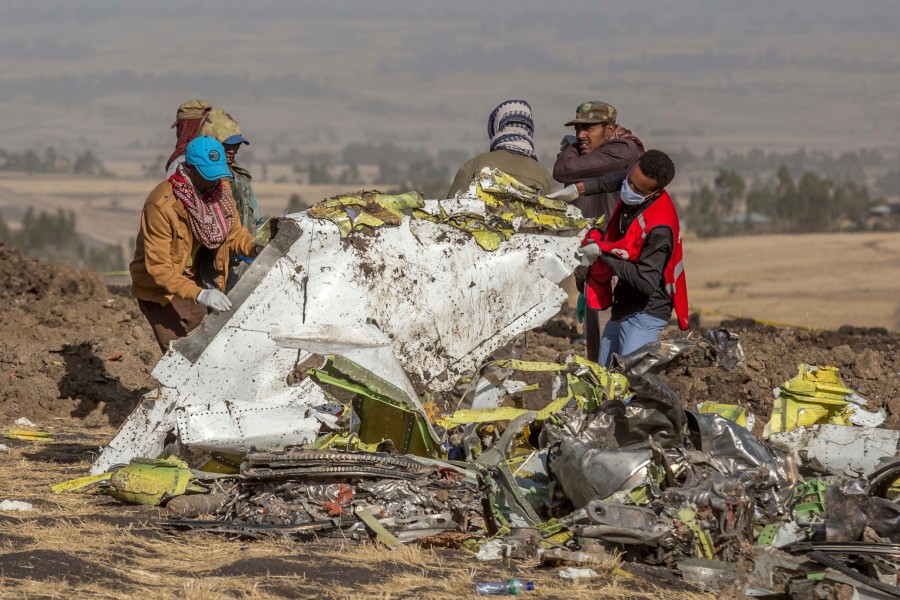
column 662, row 213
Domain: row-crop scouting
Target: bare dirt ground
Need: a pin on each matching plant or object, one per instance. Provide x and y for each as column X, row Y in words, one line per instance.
column 868, row 359
column 60, row 366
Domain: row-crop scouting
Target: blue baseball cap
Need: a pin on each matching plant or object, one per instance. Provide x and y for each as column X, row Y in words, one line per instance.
column 236, row 139
column 207, row 155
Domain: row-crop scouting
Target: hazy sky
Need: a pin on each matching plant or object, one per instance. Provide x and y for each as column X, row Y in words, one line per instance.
column 317, row 75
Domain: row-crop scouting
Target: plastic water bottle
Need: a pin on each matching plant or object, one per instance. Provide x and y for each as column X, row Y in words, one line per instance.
column 510, row 587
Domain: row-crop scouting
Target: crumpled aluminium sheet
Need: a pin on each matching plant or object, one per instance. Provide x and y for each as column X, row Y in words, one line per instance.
column 737, row 453
column 440, row 301
column 587, row 473
column 597, row 453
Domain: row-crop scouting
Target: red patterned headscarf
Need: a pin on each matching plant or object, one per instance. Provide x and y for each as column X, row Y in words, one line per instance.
column 186, row 130
column 212, row 217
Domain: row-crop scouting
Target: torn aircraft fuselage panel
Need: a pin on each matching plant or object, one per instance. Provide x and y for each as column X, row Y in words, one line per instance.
column 420, row 302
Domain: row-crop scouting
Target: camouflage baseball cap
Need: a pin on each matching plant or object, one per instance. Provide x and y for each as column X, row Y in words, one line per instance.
column 222, row 126
column 594, row 112
column 192, row 109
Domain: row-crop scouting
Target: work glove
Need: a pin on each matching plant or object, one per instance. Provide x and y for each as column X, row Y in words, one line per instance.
column 567, row 194
column 589, row 253
column 568, row 140
column 214, row 299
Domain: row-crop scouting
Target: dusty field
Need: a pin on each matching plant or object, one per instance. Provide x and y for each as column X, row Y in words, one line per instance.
column 108, row 210
column 820, row 281
column 60, row 365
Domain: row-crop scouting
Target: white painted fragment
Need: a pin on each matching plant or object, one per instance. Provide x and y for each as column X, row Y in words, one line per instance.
column 865, row 418
column 578, row 573
column 235, row 427
column 16, row 505
column 839, row 449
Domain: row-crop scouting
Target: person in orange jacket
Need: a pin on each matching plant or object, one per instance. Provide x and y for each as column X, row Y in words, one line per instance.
column 189, row 224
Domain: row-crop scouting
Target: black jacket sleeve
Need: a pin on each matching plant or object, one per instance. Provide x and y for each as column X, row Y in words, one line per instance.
column 646, row 273
column 605, row 184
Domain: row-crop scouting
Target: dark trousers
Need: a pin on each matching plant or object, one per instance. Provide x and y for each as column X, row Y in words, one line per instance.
column 174, row 320
column 594, row 322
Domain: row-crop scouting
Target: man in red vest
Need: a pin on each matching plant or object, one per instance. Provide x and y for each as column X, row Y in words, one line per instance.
column 642, row 248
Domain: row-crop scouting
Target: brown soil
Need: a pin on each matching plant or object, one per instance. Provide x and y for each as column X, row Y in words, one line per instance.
column 62, row 333
column 869, row 362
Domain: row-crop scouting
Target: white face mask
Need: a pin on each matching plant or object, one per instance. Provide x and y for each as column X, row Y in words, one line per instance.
column 629, row 196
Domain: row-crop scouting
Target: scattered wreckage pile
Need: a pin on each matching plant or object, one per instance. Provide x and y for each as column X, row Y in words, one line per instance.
column 320, row 407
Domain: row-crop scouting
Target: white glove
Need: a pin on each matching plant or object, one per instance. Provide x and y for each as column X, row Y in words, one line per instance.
column 567, row 194
column 589, row 253
column 214, row 299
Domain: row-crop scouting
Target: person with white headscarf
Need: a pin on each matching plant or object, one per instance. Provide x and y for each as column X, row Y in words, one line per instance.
column 510, row 128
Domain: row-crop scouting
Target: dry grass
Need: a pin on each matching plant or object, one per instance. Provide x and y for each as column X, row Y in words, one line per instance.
column 82, row 544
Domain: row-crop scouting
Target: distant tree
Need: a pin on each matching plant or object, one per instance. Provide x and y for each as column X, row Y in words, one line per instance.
column 295, row 204
column 730, row 187
column 762, row 201
column 318, row 174
column 106, row 259
column 5, row 237
column 813, row 205
column 50, row 160
column 88, row 164
column 50, row 237
column 389, row 172
column 852, row 202
column 350, row 176
column 701, row 215
column 889, row 183
column 427, row 177
column 31, row 162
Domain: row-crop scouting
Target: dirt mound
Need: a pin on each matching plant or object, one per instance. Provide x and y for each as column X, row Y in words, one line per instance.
column 70, row 347
column 869, row 362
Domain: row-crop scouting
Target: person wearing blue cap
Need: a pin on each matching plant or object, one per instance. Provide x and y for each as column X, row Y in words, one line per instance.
column 222, row 126
column 189, row 225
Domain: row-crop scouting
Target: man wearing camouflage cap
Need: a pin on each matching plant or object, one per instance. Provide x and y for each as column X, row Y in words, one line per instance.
column 599, row 147
column 220, row 125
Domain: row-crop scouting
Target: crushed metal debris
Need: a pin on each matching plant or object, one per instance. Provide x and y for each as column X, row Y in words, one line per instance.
column 323, row 406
